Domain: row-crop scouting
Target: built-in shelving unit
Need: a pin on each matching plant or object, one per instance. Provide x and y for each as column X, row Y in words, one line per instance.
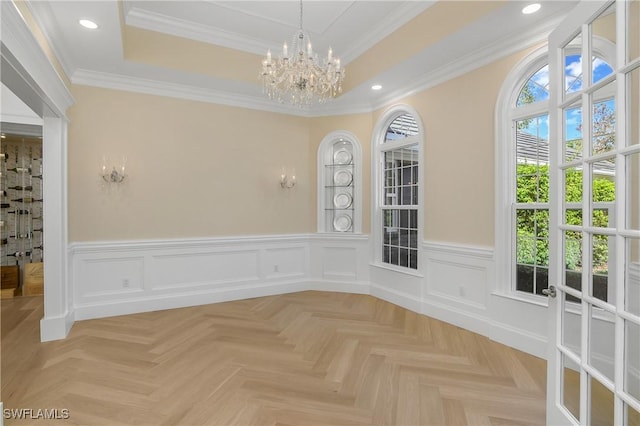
column 339, row 184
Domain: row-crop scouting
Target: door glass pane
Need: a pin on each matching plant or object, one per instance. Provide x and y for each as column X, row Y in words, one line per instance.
column 572, row 133
column 632, row 359
column 601, row 342
column 633, row 106
column 571, row 326
column 603, row 129
column 632, row 275
column 571, row 386
column 601, row 404
column 603, row 27
column 601, row 246
column 573, row 66
column 633, row 35
column 573, row 216
column 603, row 193
column 632, row 211
column 573, row 185
column 633, row 417
column 573, row 261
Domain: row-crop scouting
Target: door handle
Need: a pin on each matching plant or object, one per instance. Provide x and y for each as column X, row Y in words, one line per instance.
column 551, row 291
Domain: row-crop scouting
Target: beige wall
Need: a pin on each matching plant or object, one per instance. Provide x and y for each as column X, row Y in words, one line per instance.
column 458, row 118
column 202, row 170
column 195, row 169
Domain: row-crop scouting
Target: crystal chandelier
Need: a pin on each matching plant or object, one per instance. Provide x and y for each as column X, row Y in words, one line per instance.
column 300, row 78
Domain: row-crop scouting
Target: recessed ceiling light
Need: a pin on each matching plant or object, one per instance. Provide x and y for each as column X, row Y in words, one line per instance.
column 532, row 8
column 376, row 87
column 88, row 24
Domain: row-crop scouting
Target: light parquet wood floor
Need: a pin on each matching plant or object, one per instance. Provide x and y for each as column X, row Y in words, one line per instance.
column 310, row 358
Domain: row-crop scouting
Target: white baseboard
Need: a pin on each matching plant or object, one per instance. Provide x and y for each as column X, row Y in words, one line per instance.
column 56, row 328
column 183, row 300
column 399, row 298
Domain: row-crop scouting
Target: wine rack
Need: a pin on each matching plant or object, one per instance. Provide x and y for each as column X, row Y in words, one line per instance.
column 21, row 225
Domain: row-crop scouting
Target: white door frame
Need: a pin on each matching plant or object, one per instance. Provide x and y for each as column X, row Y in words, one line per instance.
column 28, row 72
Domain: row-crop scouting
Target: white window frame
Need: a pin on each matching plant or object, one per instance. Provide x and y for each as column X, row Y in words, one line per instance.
column 505, row 183
column 378, row 147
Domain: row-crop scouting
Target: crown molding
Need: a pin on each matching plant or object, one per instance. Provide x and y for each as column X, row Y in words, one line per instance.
column 174, row 90
column 493, row 52
column 43, row 15
column 497, row 50
column 21, row 52
column 158, row 22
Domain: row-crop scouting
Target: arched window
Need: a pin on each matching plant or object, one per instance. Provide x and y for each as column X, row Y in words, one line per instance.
column 522, row 161
column 397, row 215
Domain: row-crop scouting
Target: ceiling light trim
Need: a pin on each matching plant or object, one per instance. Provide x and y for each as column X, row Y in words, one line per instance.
column 493, row 52
column 502, row 48
column 395, row 20
column 158, row 22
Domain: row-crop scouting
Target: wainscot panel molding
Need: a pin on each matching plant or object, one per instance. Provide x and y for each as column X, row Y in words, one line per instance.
column 455, row 283
column 123, row 277
column 340, row 262
column 459, row 288
column 117, row 278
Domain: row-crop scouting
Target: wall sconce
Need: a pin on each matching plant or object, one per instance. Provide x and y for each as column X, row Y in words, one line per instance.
column 116, row 175
column 286, row 181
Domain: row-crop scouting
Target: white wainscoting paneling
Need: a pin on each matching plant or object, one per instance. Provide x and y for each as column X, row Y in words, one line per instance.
column 177, row 270
column 455, row 283
column 339, row 262
column 459, row 288
column 115, row 278
column 112, row 276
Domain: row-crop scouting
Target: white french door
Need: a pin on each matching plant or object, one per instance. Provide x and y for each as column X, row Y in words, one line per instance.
column 594, row 306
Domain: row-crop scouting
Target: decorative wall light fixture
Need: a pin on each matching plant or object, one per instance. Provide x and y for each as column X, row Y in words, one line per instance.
column 287, row 181
column 115, row 175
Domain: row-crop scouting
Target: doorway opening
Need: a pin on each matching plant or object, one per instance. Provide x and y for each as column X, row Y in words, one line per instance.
column 21, row 216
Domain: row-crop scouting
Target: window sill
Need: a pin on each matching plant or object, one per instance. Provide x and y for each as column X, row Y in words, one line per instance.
column 406, row 271
column 532, row 300
column 571, row 307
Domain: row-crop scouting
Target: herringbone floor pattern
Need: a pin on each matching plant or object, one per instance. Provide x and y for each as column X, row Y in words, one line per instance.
column 310, row 358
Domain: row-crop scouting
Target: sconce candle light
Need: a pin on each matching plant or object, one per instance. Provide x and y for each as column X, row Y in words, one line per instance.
column 116, row 175
column 286, row 181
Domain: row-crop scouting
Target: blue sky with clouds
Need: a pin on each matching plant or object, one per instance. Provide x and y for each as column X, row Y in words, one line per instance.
column 539, row 87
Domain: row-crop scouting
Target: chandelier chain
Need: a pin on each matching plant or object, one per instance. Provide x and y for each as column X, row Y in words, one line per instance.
column 300, row 15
